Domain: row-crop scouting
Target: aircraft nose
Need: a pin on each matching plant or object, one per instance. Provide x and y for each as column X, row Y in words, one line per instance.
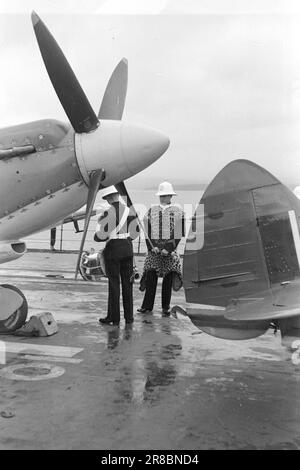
column 141, row 146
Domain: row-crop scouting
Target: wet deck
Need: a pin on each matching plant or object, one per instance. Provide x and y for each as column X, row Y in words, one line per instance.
column 157, row 385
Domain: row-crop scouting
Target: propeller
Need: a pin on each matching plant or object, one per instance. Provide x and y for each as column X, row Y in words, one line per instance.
column 95, row 180
column 121, row 188
column 79, row 111
column 112, row 107
column 113, row 102
column 74, row 102
column 68, row 89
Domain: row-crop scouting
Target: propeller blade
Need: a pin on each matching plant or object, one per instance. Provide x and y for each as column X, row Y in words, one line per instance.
column 121, row 188
column 68, row 89
column 113, row 102
column 95, row 180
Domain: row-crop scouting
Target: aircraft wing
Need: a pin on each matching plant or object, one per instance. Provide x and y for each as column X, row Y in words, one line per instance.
column 81, row 215
column 75, row 217
column 282, row 301
column 78, row 215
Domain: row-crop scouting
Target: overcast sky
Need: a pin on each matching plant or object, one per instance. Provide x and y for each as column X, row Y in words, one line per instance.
column 220, row 78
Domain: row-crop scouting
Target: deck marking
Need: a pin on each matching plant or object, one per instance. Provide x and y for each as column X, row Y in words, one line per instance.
column 14, row 372
column 40, row 349
column 52, row 359
column 295, row 232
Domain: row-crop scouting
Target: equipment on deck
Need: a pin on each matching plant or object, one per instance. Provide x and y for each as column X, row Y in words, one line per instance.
column 42, row 324
column 14, row 308
column 91, row 266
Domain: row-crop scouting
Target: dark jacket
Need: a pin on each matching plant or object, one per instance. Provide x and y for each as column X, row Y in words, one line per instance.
column 117, row 248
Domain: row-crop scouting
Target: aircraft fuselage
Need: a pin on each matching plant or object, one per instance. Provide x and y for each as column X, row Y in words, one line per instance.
column 40, row 188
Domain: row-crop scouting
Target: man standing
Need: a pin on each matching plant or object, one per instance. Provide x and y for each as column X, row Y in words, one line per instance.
column 116, row 228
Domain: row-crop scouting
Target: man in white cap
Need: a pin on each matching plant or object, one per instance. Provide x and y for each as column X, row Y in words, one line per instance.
column 165, row 226
column 113, row 228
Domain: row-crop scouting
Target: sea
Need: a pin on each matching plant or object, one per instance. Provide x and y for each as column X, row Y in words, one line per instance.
column 68, row 240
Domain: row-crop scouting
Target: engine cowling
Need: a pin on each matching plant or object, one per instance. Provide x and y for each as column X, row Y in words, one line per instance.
column 11, row 251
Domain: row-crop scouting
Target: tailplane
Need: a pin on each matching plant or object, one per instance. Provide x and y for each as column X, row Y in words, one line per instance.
column 236, row 284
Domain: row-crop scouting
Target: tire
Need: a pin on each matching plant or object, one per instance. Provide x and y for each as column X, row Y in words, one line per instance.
column 17, row 318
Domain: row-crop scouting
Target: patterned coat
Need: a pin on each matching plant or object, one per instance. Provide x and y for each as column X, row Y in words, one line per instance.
column 165, row 226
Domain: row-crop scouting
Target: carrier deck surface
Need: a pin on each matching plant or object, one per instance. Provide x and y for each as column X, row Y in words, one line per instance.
column 161, row 384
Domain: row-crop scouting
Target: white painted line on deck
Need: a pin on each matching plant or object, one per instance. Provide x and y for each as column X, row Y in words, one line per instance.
column 40, row 349
column 295, row 232
column 52, row 359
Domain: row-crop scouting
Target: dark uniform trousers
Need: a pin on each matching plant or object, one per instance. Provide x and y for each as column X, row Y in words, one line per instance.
column 119, row 266
column 151, row 285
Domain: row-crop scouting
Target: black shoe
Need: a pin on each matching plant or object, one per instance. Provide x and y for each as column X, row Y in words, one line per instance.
column 143, row 310
column 129, row 322
column 108, row 321
column 166, row 312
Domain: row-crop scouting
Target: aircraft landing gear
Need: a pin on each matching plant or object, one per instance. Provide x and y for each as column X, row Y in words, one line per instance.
column 13, row 308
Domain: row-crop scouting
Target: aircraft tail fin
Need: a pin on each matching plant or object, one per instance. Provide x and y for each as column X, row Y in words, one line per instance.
column 251, row 247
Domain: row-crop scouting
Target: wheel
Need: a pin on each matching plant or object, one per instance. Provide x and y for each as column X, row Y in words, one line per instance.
column 83, row 267
column 17, row 317
column 89, row 267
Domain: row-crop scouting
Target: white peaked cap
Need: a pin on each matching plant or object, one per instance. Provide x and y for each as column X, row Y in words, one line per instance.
column 108, row 191
column 165, row 189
